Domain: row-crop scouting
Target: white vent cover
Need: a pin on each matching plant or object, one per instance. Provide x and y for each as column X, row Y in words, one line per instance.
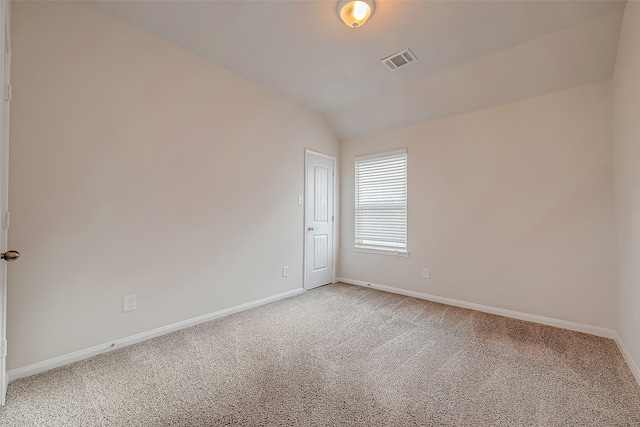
column 400, row 59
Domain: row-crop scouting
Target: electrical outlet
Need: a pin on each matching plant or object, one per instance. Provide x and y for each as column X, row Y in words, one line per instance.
column 300, row 200
column 285, row 271
column 426, row 273
column 129, row 303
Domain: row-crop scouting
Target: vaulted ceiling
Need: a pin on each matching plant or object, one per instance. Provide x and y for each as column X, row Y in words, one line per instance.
column 471, row 54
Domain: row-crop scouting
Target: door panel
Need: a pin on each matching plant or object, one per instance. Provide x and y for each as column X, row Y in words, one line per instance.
column 320, row 246
column 319, row 221
column 320, row 194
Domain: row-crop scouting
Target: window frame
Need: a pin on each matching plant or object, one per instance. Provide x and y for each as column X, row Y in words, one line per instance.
column 381, row 249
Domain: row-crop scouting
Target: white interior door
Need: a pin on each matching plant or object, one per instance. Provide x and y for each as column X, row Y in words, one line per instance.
column 5, row 68
column 319, row 220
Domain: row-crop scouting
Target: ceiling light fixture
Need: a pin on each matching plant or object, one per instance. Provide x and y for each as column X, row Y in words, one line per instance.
column 355, row 13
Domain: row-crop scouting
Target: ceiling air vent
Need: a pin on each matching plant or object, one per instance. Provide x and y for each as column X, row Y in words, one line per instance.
column 400, row 59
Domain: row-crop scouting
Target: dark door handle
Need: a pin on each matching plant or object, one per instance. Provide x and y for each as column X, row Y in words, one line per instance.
column 10, row 255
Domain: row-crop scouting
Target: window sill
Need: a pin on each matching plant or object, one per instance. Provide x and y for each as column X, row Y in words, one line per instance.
column 382, row 251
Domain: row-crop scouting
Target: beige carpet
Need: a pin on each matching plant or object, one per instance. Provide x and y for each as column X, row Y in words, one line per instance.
column 342, row 356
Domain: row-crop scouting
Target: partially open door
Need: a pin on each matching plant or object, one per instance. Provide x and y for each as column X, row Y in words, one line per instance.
column 5, row 69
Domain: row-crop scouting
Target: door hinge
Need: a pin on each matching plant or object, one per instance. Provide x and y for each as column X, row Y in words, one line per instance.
column 5, row 220
column 3, row 349
column 333, row 218
column 8, row 96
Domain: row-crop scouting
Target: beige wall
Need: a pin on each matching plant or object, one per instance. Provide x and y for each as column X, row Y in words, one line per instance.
column 626, row 136
column 510, row 207
column 138, row 168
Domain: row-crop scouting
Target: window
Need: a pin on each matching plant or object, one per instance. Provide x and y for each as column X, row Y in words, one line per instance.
column 381, row 203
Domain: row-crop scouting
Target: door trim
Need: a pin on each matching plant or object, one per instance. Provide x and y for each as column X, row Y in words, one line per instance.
column 334, row 228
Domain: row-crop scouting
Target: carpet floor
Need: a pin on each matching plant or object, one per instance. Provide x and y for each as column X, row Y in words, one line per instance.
column 342, row 355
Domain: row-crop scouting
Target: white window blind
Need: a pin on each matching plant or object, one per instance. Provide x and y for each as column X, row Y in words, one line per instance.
column 381, row 201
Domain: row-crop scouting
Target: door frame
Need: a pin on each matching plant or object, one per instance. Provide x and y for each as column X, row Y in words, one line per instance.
column 334, row 228
column 5, row 98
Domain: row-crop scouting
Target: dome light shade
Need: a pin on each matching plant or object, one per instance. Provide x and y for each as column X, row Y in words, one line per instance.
column 354, row 13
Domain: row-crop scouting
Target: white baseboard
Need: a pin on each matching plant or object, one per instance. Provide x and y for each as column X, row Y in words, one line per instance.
column 66, row 359
column 564, row 324
column 627, row 357
column 56, row 362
